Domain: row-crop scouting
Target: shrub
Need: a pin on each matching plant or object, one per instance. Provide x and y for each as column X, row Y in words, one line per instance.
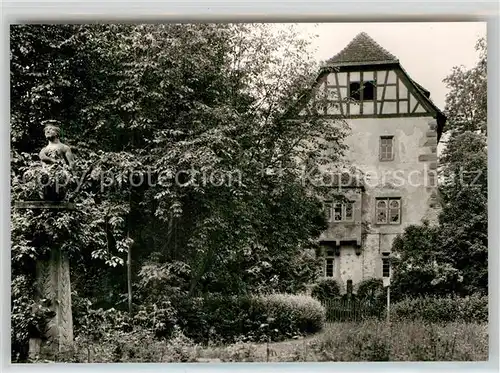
column 326, row 289
column 214, row 318
column 249, row 318
column 159, row 318
column 371, row 289
column 472, row 308
column 293, row 314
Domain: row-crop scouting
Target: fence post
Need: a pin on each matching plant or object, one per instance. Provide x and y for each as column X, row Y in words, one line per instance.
column 388, row 304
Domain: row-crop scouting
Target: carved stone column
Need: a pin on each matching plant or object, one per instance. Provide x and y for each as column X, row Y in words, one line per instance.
column 53, row 284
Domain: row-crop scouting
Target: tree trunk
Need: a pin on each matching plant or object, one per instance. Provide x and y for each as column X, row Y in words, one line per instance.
column 129, row 258
column 129, row 278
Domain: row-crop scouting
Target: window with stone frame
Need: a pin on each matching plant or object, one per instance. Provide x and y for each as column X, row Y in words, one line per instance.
column 386, row 148
column 329, row 262
column 388, row 210
column 340, row 212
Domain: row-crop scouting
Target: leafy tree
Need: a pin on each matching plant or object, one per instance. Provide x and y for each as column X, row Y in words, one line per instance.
column 464, row 218
column 421, row 266
column 466, row 102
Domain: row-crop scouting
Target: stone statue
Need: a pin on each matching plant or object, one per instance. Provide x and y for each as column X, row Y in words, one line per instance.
column 54, row 184
column 55, row 151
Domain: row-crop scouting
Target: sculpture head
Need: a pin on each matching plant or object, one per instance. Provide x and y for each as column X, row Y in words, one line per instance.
column 51, row 132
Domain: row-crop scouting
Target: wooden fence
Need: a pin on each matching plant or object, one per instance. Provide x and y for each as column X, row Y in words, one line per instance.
column 345, row 309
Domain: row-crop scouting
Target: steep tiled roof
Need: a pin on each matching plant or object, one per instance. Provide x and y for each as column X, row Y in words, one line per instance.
column 362, row 49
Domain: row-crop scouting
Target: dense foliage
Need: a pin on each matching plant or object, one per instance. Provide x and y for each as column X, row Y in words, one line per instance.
column 190, row 155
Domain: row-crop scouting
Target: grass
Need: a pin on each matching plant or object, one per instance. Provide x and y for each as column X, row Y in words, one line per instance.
column 368, row 341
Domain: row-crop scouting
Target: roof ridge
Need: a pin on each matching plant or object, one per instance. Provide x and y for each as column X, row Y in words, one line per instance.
column 362, row 48
column 380, row 46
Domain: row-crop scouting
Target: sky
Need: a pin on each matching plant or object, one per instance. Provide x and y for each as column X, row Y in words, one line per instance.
column 427, row 51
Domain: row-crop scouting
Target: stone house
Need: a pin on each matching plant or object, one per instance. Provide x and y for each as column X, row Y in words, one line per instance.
column 395, row 129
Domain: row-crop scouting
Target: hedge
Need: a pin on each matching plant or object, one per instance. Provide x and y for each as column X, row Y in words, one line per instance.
column 253, row 318
column 472, row 308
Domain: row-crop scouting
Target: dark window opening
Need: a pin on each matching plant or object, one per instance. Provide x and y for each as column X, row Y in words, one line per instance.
column 386, row 265
column 354, row 91
column 368, row 91
column 349, row 287
column 329, row 262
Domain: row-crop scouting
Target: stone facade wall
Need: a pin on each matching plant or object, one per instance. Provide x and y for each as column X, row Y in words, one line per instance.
column 409, row 176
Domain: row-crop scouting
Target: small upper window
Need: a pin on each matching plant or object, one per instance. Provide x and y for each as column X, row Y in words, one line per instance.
column 381, row 212
column 367, row 93
column 386, row 148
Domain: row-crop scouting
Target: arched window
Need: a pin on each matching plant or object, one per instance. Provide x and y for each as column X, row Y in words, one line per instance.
column 394, row 211
column 381, row 211
column 388, row 210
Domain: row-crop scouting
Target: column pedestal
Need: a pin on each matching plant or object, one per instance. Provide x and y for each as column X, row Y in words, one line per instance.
column 54, row 285
column 53, row 289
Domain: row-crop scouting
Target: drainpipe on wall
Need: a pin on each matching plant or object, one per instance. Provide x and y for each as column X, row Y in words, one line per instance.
column 379, row 246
